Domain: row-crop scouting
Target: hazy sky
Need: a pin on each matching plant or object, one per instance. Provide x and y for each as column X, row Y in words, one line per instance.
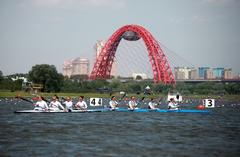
column 205, row 32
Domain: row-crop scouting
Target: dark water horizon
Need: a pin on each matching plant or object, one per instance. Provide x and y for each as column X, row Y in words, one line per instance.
column 119, row 134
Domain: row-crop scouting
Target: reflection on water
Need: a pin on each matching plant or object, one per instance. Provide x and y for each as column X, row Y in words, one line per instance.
column 118, row 133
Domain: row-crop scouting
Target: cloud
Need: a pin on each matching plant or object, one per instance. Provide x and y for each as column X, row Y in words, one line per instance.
column 177, row 20
column 104, row 3
column 221, row 2
column 47, row 3
column 79, row 3
column 190, row 19
column 198, row 18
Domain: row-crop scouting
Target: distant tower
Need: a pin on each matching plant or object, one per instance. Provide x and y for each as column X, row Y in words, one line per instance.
column 218, row 73
column 182, row 73
column 67, row 68
column 193, row 75
column 77, row 66
column 80, row 66
column 202, row 72
column 84, row 66
column 98, row 48
column 209, row 74
column 228, row 74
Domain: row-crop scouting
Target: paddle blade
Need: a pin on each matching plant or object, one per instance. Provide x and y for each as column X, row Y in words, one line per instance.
column 24, row 99
column 35, row 99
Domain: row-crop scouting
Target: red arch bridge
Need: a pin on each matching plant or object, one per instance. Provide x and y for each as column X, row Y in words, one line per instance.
column 160, row 67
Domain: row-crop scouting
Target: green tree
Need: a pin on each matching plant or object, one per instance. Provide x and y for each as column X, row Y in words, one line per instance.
column 162, row 88
column 79, row 77
column 98, row 84
column 115, row 84
column 1, row 76
column 134, row 87
column 46, row 75
column 232, row 88
column 139, row 77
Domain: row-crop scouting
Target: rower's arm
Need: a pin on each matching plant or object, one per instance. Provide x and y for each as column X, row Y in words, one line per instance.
column 61, row 106
column 76, row 105
column 85, row 105
column 131, row 105
column 110, row 104
column 46, row 105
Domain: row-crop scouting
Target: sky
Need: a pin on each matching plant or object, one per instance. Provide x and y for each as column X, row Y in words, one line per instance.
column 204, row 32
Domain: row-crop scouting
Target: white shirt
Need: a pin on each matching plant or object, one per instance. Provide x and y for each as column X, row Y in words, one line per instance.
column 68, row 104
column 152, row 105
column 55, row 105
column 172, row 106
column 132, row 104
column 41, row 105
column 113, row 104
column 81, row 105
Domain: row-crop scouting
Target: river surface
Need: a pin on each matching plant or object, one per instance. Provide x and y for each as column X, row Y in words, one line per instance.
column 119, row 134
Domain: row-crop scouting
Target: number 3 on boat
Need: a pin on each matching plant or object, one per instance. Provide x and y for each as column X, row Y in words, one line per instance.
column 209, row 103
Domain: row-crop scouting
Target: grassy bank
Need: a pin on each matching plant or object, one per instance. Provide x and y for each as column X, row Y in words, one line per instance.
column 24, row 94
column 107, row 95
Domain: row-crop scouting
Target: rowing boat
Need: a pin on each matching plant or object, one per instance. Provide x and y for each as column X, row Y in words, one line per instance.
column 162, row 110
column 60, row 111
column 118, row 110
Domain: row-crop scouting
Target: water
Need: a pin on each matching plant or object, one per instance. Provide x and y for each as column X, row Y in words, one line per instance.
column 119, row 134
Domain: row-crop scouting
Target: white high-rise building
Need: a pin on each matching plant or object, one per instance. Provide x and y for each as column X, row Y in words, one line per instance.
column 80, row 66
column 182, row 73
column 142, row 76
column 98, row 48
column 84, row 66
column 67, row 68
column 209, row 74
column 77, row 66
column 228, row 74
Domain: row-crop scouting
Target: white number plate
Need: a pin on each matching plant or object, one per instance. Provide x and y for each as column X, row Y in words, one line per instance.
column 95, row 101
column 209, row 103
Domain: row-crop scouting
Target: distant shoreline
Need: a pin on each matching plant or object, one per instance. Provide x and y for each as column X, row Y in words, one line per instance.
column 4, row 94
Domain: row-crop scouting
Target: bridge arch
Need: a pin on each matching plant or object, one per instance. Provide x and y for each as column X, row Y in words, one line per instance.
column 160, row 66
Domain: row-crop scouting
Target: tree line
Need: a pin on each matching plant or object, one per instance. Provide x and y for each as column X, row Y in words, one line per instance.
column 52, row 81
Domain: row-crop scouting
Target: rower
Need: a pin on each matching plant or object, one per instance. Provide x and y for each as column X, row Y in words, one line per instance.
column 152, row 105
column 81, row 104
column 132, row 104
column 172, row 105
column 41, row 105
column 113, row 103
column 68, row 104
column 55, row 104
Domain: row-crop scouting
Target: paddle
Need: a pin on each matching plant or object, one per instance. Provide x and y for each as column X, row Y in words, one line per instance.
column 63, row 98
column 159, row 101
column 42, row 98
column 123, row 96
column 45, row 100
column 19, row 97
column 142, row 99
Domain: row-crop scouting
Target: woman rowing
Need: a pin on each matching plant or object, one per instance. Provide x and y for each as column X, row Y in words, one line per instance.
column 41, row 105
column 113, row 103
column 68, row 104
column 55, row 105
column 172, row 105
column 81, row 104
column 132, row 104
column 152, row 105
